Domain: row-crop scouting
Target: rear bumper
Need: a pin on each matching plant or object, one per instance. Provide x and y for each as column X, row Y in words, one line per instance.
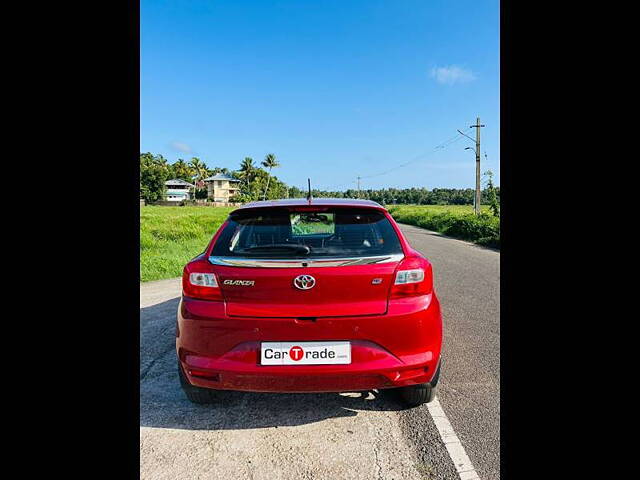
column 397, row 349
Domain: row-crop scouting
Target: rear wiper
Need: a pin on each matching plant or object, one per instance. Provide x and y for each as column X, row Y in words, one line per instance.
column 278, row 247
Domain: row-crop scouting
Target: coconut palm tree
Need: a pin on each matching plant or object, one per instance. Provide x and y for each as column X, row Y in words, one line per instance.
column 200, row 169
column 182, row 170
column 200, row 172
column 269, row 162
column 247, row 165
column 247, row 171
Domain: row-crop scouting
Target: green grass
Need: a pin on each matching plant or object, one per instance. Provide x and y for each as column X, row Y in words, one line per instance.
column 454, row 209
column 171, row 236
column 453, row 220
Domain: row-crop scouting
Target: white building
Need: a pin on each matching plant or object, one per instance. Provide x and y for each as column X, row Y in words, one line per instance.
column 177, row 190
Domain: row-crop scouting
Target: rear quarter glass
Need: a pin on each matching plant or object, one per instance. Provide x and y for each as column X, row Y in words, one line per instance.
column 287, row 233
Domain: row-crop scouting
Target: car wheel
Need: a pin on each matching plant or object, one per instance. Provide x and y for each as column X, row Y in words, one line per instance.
column 195, row 394
column 416, row 395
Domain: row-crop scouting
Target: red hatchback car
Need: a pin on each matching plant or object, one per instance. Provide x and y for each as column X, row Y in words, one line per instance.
column 320, row 295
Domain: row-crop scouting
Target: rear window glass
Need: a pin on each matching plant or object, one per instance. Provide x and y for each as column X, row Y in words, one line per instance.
column 280, row 233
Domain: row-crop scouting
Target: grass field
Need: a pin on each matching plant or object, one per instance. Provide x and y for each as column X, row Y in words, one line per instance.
column 453, row 220
column 171, row 236
column 453, row 209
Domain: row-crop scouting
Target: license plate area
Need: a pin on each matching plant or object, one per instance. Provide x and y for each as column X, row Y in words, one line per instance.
column 305, row 353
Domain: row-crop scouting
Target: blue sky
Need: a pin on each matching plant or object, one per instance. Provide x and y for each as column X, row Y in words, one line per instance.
column 335, row 89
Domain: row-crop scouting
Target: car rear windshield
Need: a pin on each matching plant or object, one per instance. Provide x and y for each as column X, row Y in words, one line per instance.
column 281, row 233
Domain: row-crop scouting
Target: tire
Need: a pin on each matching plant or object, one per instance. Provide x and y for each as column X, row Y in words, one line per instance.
column 195, row 394
column 416, row 395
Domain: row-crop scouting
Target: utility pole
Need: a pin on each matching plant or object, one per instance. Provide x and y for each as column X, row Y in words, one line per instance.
column 358, row 187
column 478, row 198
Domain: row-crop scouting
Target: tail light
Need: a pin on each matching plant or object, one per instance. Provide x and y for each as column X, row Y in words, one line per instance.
column 200, row 281
column 413, row 277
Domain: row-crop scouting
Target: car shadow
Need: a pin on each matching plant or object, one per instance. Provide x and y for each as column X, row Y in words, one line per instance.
column 164, row 405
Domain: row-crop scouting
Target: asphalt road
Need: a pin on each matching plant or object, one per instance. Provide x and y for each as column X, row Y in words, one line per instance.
column 467, row 282
column 309, row 436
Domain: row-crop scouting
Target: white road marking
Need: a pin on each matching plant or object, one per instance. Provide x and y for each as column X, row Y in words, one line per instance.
column 454, row 447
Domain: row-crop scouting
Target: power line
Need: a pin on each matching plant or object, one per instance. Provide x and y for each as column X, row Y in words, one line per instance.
column 457, row 139
column 453, row 139
column 441, row 146
column 461, row 133
column 438, row 147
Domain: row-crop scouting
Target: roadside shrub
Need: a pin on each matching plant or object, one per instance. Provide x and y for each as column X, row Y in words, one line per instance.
column 455, row 221
column 493, row 242
column 471, row 227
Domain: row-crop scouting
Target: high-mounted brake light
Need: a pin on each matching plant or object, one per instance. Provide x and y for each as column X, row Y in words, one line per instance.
column 198, row 281
column 308, row 209
column 413, row 277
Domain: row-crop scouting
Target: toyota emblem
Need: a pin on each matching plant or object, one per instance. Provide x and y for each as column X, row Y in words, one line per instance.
column 304, row 282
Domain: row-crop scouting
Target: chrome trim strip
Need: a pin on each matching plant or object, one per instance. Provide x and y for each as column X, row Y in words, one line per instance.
column 299, row 263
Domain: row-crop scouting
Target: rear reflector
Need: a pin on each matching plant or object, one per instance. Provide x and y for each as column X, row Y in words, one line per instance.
column 202, row 374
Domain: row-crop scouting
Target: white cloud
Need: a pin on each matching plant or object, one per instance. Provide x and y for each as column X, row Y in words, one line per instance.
column 452, row 74
column 181, row 147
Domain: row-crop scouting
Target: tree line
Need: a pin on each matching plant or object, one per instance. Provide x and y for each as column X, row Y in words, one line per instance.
column 413, row 196
column 258, row 183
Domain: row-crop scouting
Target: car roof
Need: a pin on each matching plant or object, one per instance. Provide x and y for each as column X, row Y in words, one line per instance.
column 314, row 202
